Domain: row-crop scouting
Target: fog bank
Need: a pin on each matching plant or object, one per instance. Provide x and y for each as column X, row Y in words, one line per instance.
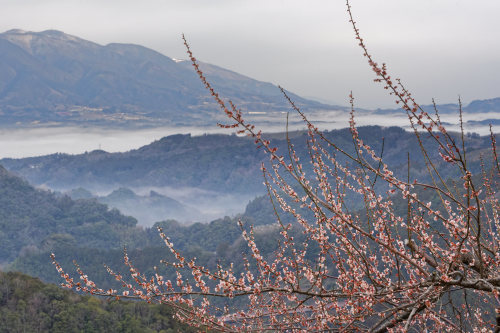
column 17, row 143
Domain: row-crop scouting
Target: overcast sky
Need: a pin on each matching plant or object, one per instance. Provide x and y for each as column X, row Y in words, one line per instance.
column 440, row 48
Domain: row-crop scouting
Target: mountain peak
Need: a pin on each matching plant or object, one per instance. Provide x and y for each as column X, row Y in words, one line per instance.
column 35, row 42
column 47, row 33
column 15, row 31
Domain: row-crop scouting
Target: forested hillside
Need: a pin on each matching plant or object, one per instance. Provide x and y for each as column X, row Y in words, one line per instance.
column 28, row 305
column 219, row 240
column 36, row 219
column 35, row 223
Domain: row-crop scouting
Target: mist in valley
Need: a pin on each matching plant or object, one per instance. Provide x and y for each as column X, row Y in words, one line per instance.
column 189, row 204
column 205, row 205
column 149, row 204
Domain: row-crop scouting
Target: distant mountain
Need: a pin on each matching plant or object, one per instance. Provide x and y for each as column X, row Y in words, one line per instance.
column 147, row 209
column 50, row 77
column 486, row 105
column 476, row 106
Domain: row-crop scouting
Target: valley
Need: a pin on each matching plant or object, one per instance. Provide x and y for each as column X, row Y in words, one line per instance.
column 102, row 146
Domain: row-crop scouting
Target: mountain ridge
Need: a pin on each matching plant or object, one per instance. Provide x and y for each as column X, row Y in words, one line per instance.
column 50, row 77
column 213, row 162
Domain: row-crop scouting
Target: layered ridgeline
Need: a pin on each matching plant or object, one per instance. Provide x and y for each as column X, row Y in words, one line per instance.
column 50, row 77
column 201, row 178
column 217, row 163
column 211, row 243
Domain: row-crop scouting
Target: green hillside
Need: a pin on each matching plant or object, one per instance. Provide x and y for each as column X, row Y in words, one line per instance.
column 28, row 305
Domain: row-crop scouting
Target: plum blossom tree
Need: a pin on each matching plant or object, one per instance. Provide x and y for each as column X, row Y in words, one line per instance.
column 434, row 266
